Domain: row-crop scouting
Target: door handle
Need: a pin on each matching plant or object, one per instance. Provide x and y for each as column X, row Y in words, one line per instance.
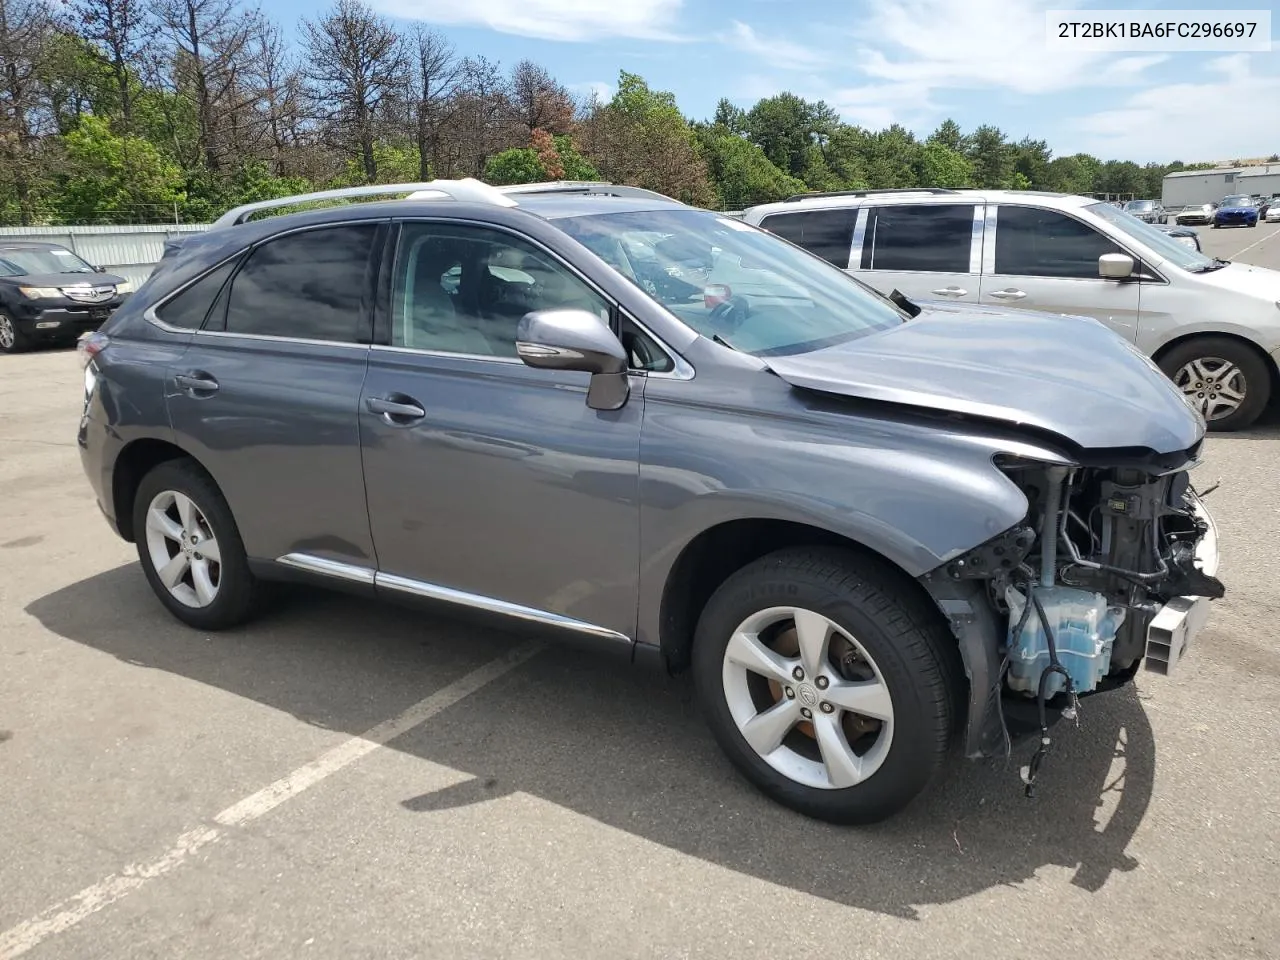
column 196, row 382
column 951, row 292
column 396, row 412
column 1008, row 294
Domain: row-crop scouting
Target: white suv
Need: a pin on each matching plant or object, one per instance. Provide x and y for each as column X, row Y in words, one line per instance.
column 1211, row 325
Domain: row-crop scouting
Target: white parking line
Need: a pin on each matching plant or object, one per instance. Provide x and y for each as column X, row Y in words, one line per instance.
column 18, row 940
column 1255, row 243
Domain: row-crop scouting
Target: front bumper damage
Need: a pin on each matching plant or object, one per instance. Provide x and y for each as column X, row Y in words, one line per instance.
column 1167, row 611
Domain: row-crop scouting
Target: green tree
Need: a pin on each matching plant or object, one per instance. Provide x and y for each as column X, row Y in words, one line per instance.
column 517, row 165
column 892, row 158
column 942, row 166
column 741, row 173
column 110, row 178
column 576, row 166
column 992, row 158
column 1031, row 160
column 948, row 135
column 787, row 128
column 732, row 118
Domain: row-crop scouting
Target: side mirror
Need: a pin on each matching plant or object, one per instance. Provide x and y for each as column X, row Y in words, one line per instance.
column 1115, row 266
column 577, row 340
column 99, row 269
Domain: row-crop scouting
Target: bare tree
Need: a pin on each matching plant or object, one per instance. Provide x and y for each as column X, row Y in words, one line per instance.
column 436, row 74
column 275, row 89
column 539, row 101
column 117, row 30
column 481, row 121
column 25, row 29
column 355, row 65
column 210, row 46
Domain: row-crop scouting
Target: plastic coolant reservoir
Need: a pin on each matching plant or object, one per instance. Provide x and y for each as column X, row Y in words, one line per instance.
column 1084, row 629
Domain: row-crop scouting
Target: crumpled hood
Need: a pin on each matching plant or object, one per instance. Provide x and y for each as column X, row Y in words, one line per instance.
column 1068, row 375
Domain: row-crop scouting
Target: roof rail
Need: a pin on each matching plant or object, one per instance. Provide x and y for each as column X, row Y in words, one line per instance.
column 599, row 188
column 867, row 193
column 468, row 190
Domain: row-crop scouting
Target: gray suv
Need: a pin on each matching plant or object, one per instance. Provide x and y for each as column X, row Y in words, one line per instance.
column 871, row 529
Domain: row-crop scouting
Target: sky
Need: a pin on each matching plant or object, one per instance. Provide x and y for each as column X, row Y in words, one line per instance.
column 913, row 62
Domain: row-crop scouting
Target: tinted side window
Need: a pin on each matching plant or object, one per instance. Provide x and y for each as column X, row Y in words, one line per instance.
column 189, row 308
column 933, row 237
column 308, row 285
column 1031, row 242
column 825, row 233
column 461, row 289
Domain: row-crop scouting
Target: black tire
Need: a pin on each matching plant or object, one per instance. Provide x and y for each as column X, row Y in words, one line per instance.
column 898, row 627
column 12, row 339
column 237, row 589
column 1256, row 373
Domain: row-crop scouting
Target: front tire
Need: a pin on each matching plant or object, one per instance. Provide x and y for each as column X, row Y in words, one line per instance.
column 830, row 683
column 1227, row 380
column 190, row 548
column 12, row 340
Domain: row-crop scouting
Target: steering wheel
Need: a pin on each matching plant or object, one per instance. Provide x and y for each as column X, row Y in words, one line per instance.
column 730, row 314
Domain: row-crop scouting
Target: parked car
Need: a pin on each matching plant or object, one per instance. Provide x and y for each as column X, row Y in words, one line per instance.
column 1264, row 207
column 1236, row 211
column 856, row 521
column 1184, row 235
column 1273, row 212
column 1211, row 325
column 1148, row 211
column 47, row 293
column 1200, row 214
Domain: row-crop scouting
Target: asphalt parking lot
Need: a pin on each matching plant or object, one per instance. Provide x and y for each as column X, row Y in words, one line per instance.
column 343, row 780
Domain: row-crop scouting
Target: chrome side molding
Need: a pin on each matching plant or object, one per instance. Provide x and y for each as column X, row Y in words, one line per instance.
column 432, row 591
column 328, row 568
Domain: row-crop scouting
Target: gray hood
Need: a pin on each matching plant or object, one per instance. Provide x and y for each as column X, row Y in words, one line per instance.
column 1068, row 375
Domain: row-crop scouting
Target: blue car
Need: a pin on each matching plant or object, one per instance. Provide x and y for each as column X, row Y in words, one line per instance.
column 1238, row 211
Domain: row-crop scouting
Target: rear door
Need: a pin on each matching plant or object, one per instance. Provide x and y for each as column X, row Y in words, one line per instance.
column 1043, row 259
column 825, row 233
column 929, row 251
column 266, row 394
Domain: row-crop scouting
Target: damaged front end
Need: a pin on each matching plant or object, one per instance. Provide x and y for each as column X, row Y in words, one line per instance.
column 1113, row 567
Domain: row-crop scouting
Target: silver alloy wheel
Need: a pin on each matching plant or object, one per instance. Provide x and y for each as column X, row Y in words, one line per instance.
column 1216, row 386
column 183, row 549
column 801, row 714
column 8, row 336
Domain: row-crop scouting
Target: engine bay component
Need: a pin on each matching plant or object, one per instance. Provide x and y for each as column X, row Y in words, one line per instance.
column 1084, row 627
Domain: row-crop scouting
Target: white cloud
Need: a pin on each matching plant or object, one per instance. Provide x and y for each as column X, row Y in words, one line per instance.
column 774, row 51
column 572, row 20
column 1214, row 119
column 601, row 90
column 911, row 49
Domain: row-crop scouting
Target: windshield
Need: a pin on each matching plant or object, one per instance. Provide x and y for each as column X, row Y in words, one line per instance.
column 1141, row 206
column 1238, row 201
column 733, row 282
column 34, row 261
column 1179, row 254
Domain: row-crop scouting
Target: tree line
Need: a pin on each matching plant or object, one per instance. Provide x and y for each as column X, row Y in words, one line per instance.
column 133, row 111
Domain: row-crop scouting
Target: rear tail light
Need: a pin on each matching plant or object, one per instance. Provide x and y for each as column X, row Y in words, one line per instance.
column 91, row 344
column 716, row 294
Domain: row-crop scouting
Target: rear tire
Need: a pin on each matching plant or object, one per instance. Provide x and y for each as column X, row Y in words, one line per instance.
column 859, row 636
column 1203, row 366
column 190, row 548
column 12, row 340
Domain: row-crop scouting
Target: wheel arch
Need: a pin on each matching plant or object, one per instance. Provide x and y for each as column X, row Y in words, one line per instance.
column 1253, row 346
column 717, row 552
column 137, row 459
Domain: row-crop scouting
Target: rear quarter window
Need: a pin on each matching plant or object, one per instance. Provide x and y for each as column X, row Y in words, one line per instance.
column 189, row 308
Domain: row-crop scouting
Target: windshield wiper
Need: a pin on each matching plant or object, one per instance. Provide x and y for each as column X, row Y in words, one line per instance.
column 1218, row 264
column 724, row 343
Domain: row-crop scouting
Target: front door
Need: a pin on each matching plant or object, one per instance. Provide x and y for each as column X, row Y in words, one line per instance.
column 265, row 395
column 489, row 483
column 1046, row 260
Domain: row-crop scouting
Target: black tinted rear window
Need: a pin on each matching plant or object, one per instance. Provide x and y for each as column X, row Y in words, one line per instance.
column 937, row 238
column 308, row 286
column 825, row 233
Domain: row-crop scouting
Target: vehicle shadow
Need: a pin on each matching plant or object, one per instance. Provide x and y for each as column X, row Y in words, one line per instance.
column 626, row 747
